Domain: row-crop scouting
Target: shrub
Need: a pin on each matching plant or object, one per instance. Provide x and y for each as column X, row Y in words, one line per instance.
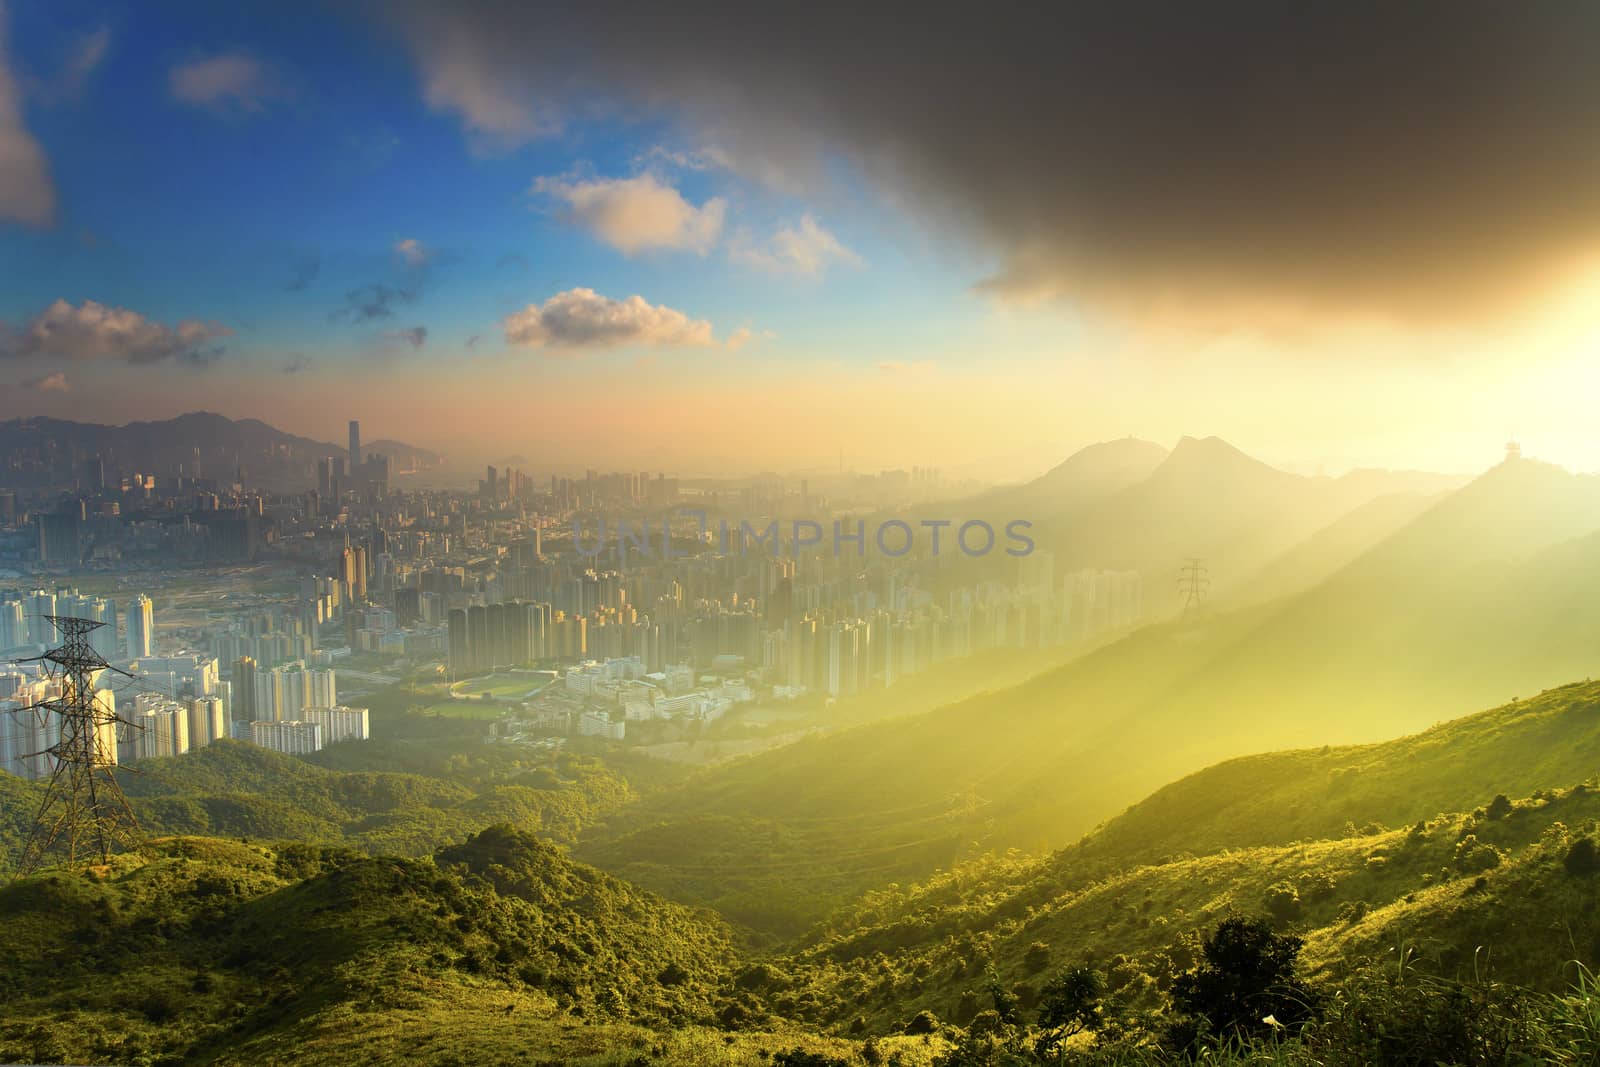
column 1473, row 856
column 924, row 1022
column 1353, row 911
column 1283, row 902
column 1582, row 858
column 1037, row 958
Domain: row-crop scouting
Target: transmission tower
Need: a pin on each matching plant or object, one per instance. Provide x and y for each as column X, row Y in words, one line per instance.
column 1193, row 582
column 84, row 811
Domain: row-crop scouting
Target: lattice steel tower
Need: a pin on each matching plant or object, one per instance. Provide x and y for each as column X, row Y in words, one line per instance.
column 1194, row 582
column 84, row 812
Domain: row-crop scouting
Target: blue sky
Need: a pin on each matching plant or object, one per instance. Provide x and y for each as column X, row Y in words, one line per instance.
column 214, row 211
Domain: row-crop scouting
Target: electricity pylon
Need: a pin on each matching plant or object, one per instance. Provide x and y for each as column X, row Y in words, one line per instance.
column 1193, row 582
column 84, row 811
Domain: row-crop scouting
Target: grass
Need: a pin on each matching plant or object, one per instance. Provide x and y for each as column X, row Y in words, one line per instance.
column 503, row 686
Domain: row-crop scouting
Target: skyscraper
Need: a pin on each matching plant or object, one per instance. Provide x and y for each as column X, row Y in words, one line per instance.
column 141, row 627
column 355, row 445
column 244, row 689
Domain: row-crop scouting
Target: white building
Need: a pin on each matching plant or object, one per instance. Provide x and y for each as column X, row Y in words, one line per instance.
column 339, row 723
column 292, row 738
column 599, row 724
column 141, row 627
column 208, row 721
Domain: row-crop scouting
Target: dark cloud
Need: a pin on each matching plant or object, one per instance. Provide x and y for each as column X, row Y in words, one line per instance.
column 297, row 362
column 371, row 302
column 1427, row 161
column 415, row 336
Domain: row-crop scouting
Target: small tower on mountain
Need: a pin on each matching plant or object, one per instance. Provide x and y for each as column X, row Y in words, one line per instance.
column 1513, row 450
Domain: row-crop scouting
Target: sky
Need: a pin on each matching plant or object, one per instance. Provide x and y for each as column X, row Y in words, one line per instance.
column 722, row 238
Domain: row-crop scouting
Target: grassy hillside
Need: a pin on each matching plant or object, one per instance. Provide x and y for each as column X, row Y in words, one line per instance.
column 1413, row 846
column 199, row 948
column 499, row 947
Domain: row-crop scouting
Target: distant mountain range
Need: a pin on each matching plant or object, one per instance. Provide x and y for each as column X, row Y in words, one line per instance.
column 1133, row 505
column 41, row 450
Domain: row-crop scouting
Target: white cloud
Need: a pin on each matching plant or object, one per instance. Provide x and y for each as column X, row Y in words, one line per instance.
column 27, row 195
column 233, row 81
column 745, row 335
column 806, row 248
column 582, row 319
column 413, row 252
column 635, row 214
column 94, row 331
column 710, row 157
column 55, row 382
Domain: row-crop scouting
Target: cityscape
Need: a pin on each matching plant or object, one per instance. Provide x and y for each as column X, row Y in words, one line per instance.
column 495, row 592
column 759, row 535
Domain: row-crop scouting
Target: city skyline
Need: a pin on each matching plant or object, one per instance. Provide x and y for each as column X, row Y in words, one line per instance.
column 683, row 260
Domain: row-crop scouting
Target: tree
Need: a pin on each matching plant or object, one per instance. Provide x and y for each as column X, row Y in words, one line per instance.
column 1005, row 1002
column 1246, row 974
column 1068, row 1004
column 1283, row 902
column 1499, row 807
column 1582, row 857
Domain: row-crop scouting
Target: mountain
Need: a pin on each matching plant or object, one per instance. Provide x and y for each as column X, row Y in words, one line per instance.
column 1356, row 849
column 1207, row 499
column 203, row 444
column 1329, row 550
column 1089, row 475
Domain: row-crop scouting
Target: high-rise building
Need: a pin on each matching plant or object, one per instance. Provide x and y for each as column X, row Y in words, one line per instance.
column 208, row 721
column 244, row 690
column 59, row 538
column 13, row 624
column 355, row 446
column 338, row 723
column 290, row 738
column 141, row 627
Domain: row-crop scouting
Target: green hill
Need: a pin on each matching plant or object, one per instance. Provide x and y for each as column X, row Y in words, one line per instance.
column 198, row 949
column 1471, row 884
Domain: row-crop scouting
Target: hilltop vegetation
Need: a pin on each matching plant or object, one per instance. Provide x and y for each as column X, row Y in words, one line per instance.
column 238, row 790
column 1473, row 848
column 199, row 947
